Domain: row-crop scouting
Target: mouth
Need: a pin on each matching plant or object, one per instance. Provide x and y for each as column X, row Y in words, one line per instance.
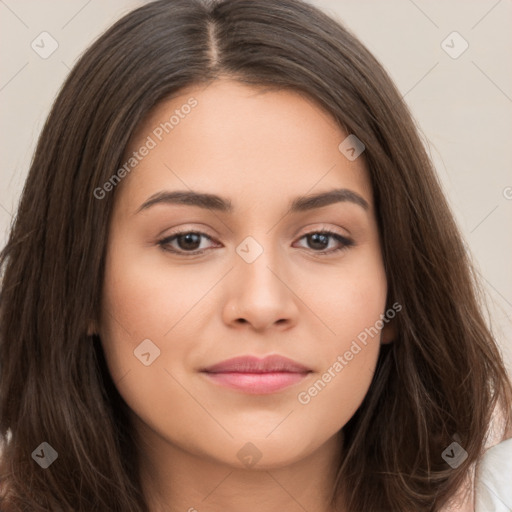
column 257, row 376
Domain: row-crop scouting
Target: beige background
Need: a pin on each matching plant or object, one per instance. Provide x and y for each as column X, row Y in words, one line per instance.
column 463, row 105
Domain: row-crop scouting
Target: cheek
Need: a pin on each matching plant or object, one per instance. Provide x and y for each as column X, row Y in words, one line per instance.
column 350, row 348
column 348, row 299
column 144, row 297
column 137, row 306
column 149, row 324
column 331, row 398
column 141, row 331
column 328, row 402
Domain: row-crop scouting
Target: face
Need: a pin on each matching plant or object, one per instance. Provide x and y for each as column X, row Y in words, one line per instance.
column 260, row 271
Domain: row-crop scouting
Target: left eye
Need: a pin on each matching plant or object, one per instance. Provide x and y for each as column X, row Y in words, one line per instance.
column 316, row 238
column 189, row 242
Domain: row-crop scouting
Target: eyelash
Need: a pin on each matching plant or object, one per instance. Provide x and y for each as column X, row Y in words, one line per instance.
column 164, row 243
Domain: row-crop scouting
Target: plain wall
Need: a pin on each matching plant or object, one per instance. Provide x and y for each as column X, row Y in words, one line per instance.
column 462, row 105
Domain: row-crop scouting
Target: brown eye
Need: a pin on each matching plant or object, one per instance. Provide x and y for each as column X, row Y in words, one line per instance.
column 189, row 241
column 184, row 242
column 319, row 241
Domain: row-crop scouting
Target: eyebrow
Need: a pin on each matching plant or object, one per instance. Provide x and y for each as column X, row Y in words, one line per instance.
column 220, row 204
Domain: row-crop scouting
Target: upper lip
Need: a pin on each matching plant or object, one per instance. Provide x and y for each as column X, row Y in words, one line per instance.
column 251, row 364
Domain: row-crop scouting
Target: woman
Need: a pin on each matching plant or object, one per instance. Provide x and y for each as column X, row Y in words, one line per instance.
column 320, row 346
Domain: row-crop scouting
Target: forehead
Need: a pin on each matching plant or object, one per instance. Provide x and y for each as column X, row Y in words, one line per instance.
column 243, row 142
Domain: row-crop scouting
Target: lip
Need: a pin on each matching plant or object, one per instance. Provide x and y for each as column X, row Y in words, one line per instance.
column 257, row 376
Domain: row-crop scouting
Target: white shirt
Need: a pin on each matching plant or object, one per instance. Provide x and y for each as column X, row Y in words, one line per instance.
column 488, row 484
column 493, row 481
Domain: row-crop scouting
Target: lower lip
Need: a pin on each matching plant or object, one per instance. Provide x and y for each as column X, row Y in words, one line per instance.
column 257, row 383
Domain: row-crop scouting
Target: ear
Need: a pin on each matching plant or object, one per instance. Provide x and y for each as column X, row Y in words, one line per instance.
column 389, row 332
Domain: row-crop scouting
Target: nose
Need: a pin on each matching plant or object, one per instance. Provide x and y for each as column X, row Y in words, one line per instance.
column 260, row 294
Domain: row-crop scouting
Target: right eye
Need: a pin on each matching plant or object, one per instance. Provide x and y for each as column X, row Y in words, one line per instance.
column 188, row 240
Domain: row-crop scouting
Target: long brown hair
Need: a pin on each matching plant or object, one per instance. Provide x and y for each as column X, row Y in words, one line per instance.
column 442, row 375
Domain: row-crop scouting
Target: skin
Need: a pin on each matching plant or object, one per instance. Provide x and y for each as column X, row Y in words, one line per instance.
column 243, row 144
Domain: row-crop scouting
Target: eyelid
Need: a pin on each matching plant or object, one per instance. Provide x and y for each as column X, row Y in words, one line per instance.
column 321, row 228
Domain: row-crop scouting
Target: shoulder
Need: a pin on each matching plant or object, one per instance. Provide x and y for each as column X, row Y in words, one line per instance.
column 487, row 483
column 493, row 490
column 493, row 472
